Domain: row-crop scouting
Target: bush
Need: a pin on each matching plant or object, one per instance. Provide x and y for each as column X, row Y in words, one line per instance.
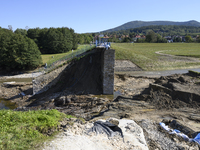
column 18, row 51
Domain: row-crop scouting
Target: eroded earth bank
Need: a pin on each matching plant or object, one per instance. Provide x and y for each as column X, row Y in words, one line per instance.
column 137, row 107
column 146, row 101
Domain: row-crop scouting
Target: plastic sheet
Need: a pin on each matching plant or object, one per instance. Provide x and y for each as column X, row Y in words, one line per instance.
column 108, row 128
column 177, row 132
column 197, row 138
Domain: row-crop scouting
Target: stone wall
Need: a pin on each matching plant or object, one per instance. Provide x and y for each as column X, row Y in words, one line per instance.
column 46, row 81
column 108, row 63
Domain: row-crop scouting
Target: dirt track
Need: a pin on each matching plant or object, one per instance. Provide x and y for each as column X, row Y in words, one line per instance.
column 169, row 57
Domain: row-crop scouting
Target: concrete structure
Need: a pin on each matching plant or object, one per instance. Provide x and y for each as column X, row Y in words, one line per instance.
column 108, row 63
column 43, row 82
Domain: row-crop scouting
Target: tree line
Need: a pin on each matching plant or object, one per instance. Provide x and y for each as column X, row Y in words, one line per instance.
column 156, row 34
column 22, row 49
column 18, row 52
column 55, row 40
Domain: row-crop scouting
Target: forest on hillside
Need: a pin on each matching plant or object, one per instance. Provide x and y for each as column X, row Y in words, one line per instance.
column 156, row 34
column 165, row 30
column 138, row 24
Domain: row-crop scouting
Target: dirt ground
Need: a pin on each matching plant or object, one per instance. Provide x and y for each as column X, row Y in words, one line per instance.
column 125, row 65
column 146, row 100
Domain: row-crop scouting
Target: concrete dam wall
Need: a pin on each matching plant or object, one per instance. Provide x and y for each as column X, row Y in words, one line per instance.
column 91, row 73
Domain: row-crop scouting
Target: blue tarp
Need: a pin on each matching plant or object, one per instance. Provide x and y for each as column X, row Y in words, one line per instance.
column 197, row 138
column 177, row 132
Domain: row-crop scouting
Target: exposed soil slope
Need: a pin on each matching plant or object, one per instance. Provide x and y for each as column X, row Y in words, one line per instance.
column 81, row 77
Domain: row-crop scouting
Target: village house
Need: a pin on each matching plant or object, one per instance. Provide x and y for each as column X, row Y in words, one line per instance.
column 138, row 37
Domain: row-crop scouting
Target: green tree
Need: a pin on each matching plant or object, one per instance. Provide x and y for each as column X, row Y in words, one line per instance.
column 151, row 37
column 18, row 52
column 54, row 40
column 140, row 40
column 198, row 39
column 34, row 34
column 160, row 39
column 126, row 39
column 57, row 42
column 21, row 31
column 188, row 38
column 80, row 38
column 87, row 38
column 177, row 39
column 74, row 39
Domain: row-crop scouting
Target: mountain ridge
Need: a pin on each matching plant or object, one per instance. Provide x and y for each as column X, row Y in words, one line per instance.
column 137, row 24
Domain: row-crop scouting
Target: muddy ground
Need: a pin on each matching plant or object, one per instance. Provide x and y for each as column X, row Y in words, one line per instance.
column 145, row 100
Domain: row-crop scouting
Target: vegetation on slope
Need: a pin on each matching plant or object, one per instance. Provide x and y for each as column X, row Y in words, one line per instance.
column 162, row 30
column 138, row 24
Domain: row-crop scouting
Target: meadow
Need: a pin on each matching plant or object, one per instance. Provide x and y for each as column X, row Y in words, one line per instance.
column 143, row 55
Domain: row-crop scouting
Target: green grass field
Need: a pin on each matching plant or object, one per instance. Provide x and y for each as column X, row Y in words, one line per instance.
column 50, row 58
column 22, row 130
column 143, row 54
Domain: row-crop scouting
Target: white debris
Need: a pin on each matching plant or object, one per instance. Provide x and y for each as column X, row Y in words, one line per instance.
column 76, row 138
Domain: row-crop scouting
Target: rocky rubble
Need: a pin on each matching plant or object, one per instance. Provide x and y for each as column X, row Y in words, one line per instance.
column 157, row 138
column 82, row 106
column 76, row 137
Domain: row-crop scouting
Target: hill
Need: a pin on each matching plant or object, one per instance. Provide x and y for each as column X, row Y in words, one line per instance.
column 166, row 30
column 137, row 24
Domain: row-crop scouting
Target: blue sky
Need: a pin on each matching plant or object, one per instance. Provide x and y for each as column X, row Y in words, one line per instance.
column 93, row 16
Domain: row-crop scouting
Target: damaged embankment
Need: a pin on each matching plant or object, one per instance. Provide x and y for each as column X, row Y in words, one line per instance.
column 147, row 101
column 156, row 101
column 141, row 107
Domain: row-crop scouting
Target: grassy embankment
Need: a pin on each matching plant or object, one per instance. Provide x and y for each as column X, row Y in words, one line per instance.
column 143, row 54
column 27, row 130
column 50, row 58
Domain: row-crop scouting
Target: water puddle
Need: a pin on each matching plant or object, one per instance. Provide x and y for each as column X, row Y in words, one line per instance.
column 159, row 73
column 6, row 104
column 16, row 80
column 111, row 97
